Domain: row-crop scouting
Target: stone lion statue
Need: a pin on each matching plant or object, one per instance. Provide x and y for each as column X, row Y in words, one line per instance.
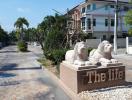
column 102, row 54
column 78, row 56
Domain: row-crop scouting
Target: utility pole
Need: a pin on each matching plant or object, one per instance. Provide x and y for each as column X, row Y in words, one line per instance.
column 116, row 28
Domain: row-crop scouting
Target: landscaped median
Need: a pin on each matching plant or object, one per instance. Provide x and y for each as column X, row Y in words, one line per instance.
column 51, row 62
column 48, row 64
column 52, row 70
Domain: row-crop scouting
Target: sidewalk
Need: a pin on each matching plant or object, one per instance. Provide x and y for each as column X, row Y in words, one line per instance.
column 21, row 77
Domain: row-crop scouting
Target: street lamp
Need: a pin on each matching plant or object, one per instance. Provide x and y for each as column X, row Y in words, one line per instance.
column 115, row 27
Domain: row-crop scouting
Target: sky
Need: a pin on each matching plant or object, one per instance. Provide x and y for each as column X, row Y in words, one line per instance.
column 33, row 10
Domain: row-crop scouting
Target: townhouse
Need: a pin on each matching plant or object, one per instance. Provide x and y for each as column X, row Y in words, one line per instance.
column 96, row 18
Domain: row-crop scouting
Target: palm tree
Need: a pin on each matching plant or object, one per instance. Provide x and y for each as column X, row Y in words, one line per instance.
column 19, row 24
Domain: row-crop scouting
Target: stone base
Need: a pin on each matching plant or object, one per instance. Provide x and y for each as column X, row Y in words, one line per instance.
column 79, row 80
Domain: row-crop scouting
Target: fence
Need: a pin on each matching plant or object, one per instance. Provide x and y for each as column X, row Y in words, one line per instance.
column 121, row 42
column 92, row 43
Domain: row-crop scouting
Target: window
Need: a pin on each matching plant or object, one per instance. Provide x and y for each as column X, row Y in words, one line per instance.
column 94, row 6
column 83, row 10
column 112, row 22
column 112, row 6
column 88, row 7
column 106, row 7
column 89, row 23
column 94, row 22
column 83, row 23
column 126, row 8
column 106, row 22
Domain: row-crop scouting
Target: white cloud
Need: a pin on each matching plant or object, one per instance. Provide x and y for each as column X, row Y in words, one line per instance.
column 23, row 10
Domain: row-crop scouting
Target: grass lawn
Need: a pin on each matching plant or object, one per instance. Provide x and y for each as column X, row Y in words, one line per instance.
column 50, row 66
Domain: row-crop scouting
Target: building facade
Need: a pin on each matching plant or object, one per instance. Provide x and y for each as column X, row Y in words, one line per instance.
column 97, row 18
column 74, row 24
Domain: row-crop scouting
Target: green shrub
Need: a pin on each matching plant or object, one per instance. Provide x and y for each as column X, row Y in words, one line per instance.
column 56, row 55
column 45, row 62
column 89, row 50
column 22, row 46
column 48, row 54
column 130, row 32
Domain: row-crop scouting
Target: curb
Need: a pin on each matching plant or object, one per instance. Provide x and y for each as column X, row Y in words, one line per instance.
column 67, row 90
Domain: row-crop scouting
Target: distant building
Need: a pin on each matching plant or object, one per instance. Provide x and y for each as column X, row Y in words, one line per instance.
column 74, row 24
column 96, row 18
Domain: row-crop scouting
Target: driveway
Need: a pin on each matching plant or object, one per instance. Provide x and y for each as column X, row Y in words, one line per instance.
column 21, row 77
column 126, row 59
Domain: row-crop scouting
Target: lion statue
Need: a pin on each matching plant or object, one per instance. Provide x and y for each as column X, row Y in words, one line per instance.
column 78, row 56
column 102, row 55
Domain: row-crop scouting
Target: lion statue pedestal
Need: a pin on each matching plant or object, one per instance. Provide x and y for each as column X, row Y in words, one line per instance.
column 79, row 72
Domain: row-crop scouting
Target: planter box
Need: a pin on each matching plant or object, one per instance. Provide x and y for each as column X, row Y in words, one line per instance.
column 79, row 80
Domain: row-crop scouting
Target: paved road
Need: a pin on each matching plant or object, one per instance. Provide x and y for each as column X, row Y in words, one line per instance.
column 22, row 79
column 126, row 59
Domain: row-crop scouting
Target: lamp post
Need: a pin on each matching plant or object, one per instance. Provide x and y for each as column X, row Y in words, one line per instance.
column 115, row 27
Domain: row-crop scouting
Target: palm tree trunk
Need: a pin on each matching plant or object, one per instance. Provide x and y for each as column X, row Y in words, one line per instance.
column 21, row 34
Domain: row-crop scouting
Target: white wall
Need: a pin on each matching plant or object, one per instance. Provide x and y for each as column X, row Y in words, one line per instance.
column 100, row 24
column 92, row 43
column 99, row 35
column 129, row 50
column 121, row 42
column 128, row 46
column 100, row 9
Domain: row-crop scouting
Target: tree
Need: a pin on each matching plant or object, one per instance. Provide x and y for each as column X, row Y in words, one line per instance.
column 30, row 35
column 41, row 34
column 52, row 32
column 13, row 36
column 19, row 24
column 4, row 38
column 128, row 20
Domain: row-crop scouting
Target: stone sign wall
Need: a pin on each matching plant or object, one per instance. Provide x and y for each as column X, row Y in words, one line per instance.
column 89, row 79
